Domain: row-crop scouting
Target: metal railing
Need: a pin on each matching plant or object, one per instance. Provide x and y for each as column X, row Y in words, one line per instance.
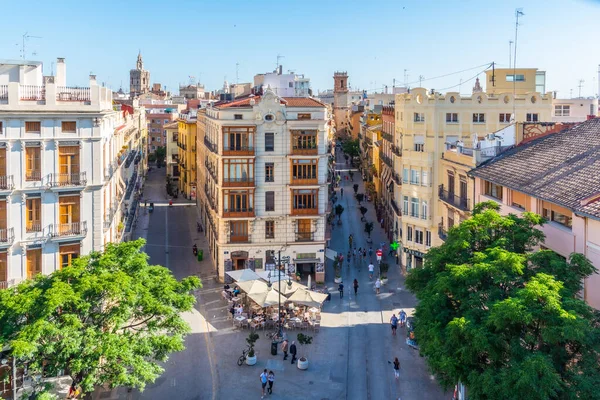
column 395, row 207
column 32, row 92
column 7, row 235
column 305, row 236
column 461, row 203
column 33, row 227
column 442, row 233
column 212, row 170
column 182, row 146
column 248, row 179
column 238, row 238
column 69, row 229
column 3, row 92
column 386, row 160
column 71, row 179
column 6, row 182
column 396, row 150
column 210, row 146
column 33, row 175
column 396, row 178
column 64, row 93
column 387, row 137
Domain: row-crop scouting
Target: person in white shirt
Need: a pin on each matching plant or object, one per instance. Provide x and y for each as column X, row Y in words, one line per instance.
column 371, row 269
column 377, row 285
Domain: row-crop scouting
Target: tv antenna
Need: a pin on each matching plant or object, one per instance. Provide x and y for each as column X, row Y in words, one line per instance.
column 279, row 56
column 405, row 77
column 510, row 43
column 518, row 13
column 580, row 85
column 26, row 36
column 421, row 77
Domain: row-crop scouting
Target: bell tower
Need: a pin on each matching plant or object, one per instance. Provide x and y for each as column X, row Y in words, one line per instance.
column 340, row 80
column 341, row 104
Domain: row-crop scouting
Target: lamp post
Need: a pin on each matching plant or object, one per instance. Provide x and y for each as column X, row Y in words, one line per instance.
column 279, row 324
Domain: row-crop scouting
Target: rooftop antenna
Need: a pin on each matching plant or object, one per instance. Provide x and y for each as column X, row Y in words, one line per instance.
column 279, row 56
column 518, row 13
column 580, row 85
column 26, row 37
column 510, row 43
column 405, row 77
column 421, row 77
column 571, row 93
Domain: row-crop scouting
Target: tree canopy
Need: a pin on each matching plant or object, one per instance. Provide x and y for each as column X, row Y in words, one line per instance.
column 351, row 147
column 504, row 320
column 107, row 319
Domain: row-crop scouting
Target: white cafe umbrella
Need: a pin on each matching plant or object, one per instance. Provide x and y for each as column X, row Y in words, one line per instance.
column 255, row 286
column 288, row 288
column 273, row 276
column 265, row 299
column 308, row 298
column 243, row 275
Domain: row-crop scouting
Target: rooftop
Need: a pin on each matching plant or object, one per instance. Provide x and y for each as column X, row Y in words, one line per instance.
column 244, row 102
column 562, row 168
column 20, row 62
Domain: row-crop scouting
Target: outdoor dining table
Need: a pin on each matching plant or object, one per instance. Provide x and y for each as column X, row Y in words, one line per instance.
column 240, row 318
column 295, row 319
column 235, row 299
column 313, row 310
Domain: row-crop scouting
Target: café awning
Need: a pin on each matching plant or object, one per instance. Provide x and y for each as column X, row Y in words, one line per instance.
column 308, row 298
column 253, row 286
column 243, row 275
column 265, row 299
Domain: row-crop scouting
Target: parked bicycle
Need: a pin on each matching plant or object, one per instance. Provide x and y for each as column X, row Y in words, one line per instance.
column 242, row 358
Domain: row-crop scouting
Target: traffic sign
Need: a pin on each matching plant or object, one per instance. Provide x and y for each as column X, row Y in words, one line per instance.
column 379, row 253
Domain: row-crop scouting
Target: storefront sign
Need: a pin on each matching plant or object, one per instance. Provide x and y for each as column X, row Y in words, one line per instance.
column 412, row 252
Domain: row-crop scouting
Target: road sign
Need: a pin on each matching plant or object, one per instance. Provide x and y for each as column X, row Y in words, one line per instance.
column 379, row 253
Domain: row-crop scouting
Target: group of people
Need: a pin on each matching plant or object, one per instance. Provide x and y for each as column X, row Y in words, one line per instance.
column 394, row 321
column 267, row 378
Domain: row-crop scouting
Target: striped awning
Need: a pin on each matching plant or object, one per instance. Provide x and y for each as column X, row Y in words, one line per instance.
column 385, row 176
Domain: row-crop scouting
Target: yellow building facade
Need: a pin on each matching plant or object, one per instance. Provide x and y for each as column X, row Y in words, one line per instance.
column 187, row 134
column 427, row 123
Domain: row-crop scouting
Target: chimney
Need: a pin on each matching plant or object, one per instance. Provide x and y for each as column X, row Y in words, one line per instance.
column 92, row 80
column 280, row 70
column 61, row 72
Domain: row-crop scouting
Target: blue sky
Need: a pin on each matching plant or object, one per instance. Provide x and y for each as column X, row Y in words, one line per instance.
column 374, row 41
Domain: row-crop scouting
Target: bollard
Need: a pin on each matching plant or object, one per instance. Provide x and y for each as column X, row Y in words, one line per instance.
column 200, row 255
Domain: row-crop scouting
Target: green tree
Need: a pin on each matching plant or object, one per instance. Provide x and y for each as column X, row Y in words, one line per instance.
column 110, row 318
column 339, row 209
column 160, row 153
column 504, row 320
column 351, row 148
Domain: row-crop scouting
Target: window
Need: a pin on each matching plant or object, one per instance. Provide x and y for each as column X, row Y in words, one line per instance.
column 68, row 126
column 269, row 229
column 238, row 139
column 532, row 117
column 557, row 214
column 238, row 201
column 414, row 176
column 237, row 116
column 33, row 164
column 450, row 182
column 463, row 187
column 303, row 116
column 33, row 126
column 238, row 231
column 562, row 110
column 269, row 117
column 67, row 254
column 34, row 262
column 418, row 236
column 478, row 118
column 291, row 84
column 304, row 141
column 166, row 121
column 237, row 170
column 33, row 215
column 409, row 234
column 451, row 117
column 269, row 141
column 517, row 78
column 0, row 127
column 269, row 201
column 270, row 172
column 419, row 117
column 414, row 207
column 405, row 175
column 450, row 220
column 504, row 118
column 68, row 163
column 405, row 207
column 425, row 210
column 493, row 190
column 428, row 238
column 305, row 201
column 425, row 178
column 519, row 200
column 304, row 230
column 165, row 133
column 419, row 143
column 304, row 170
column 158, row 139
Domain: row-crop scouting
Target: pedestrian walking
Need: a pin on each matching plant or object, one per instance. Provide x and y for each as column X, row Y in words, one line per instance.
column 293, row 351
column 355, row 287
column 365, row 254
column 341, row 289
column 402, row 318
column 271, row 379
column 394, row 324
column 263, row 382
column 396, row 368
column 371, row 269
column 378, row 285
column 284, row 348
column 342, row 191
column 370, row 252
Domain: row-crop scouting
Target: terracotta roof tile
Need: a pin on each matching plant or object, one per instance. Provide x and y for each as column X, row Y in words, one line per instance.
column 243, row 102
column 302, row 102
column 562, row 168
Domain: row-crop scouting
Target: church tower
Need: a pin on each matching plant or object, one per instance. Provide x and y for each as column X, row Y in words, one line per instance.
column 340, row 101
column 139, row 78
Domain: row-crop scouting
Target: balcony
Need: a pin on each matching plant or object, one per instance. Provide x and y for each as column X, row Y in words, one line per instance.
column 6, row 182
column 396, row 178
column 32, row 93
column 368, row 141
column 213, row 204
column 302, row 180
column 310, row 150
column 442, row 233
column 388, row 137
column 69, row 230
column 238, row 150
column 305, row 236
column 386, row 160
column 182, row 146
column 4, row 92
column 6, row 284
column 239, row 239
column 210, row 146
column 239, row 182
column 395, row 207
column 212, row 170
column 72, row 179
column 244, row 212
column 110, row 170
column 33, row 227
column 7, row 236
column 64, row 93
column 462, row 203
column 305, row 211
column 396, row 150
column 33, row 176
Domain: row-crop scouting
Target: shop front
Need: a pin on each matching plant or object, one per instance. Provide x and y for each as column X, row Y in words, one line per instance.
column 414, row 258
column 308, row 264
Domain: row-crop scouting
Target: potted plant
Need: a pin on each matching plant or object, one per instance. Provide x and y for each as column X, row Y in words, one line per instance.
column 383, row 270
column 251, row 340
column 338, row 271
column 303, row 340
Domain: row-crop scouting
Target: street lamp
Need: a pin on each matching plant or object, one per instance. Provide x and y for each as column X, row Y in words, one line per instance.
column 269, row 285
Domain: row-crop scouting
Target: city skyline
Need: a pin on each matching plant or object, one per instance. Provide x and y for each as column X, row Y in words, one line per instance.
column 327, row 38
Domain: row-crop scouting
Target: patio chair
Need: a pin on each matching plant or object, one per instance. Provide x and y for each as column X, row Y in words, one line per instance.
column 304, row 325
column 316, row 326
column 244, row 324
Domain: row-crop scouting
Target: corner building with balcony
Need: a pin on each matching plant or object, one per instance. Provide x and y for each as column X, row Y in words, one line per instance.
column 263, row 183
column 69, row 165
column 435, row 192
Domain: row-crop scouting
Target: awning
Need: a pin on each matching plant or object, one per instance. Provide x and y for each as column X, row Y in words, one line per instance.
column 308, row 298
column 307, row 260
column 265, row 299
column 254, row 286
column 243, row 275
column 385, row 175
